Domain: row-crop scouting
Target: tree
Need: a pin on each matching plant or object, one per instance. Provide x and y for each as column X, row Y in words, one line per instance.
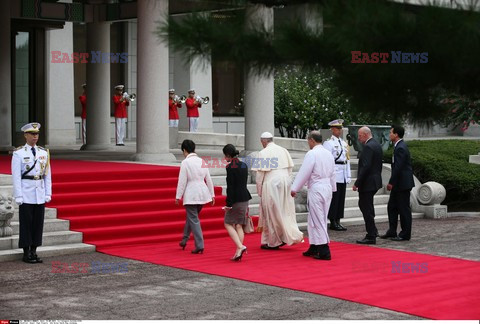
column 450, row 37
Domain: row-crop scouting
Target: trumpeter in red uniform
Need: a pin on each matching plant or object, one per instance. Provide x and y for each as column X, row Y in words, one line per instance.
column 121, row 103
column 173, row 105
column 192, row 110
column 83, row 102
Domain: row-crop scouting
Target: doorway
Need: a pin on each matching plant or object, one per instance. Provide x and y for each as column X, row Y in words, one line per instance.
column 28, row 80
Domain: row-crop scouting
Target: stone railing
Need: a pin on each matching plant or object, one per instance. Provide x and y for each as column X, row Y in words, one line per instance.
column 424, row 198
column 6, row 215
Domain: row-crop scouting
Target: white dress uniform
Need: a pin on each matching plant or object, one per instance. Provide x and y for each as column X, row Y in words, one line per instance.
column 339, row 150
column 32, row 188
column 31, row 191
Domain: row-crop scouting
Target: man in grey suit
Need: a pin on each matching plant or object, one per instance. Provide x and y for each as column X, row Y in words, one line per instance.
column 400, row 184
column 369, row 180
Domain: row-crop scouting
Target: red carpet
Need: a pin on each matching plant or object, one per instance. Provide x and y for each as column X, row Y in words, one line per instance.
column 128, row 210
column 115, row 204
column 448, row 290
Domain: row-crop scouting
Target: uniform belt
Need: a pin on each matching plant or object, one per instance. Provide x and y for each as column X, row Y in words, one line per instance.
column 37, row 177
column 343, row 162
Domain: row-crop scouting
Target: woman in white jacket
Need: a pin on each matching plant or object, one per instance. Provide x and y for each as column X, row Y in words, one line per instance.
column 196, row 188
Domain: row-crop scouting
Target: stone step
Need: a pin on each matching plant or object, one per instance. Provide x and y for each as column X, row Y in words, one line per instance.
column 50, row 213
column 350, row 212
column 357, row 220
column 48, row 251
column 49, row 225
column 379, row 199
column 5, row 180
column 49, row 239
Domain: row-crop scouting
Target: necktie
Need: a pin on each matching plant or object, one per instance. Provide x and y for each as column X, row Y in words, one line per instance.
column 33, row 151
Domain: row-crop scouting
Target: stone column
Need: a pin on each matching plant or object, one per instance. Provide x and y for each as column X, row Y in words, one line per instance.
column 259, row 100
column 60, row 114
column 152, row 78
column 5, row 79
column 98, row 88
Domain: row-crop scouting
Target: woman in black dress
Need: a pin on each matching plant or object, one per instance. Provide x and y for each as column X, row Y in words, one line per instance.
column 237, row 199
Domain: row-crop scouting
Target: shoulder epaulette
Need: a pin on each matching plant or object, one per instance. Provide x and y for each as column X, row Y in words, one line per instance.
column 42, row 148
column 18, row 148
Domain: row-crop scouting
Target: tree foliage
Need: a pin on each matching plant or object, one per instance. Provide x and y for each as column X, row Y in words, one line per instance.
column 309, row 100
column 450, row 37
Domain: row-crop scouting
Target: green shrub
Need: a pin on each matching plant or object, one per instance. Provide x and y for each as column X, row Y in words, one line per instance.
column 446, row 162
column 306, row 101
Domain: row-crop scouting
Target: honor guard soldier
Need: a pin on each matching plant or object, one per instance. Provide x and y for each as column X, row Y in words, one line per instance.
column 339, row 149
column 83, row 102
column 121, row 103
column 32, row 188
column 173, row 104
column 192, row 105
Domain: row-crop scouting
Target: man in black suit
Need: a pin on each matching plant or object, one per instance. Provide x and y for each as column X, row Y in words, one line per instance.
column 400, row 183
column 369, row 180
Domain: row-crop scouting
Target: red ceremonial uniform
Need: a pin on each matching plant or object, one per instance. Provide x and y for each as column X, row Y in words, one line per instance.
column 192, row 107
column 172, row 109
column 120, row 107
column 83, row 101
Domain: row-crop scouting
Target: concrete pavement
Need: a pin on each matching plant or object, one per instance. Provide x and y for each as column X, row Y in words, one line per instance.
column 152, row 292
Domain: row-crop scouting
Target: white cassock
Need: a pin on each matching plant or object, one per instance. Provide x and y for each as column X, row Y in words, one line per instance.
column 277, row 207
column 318, row 171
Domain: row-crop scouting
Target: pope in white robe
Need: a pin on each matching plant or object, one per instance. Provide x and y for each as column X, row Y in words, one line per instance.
column 277, row 219
column 318, row 171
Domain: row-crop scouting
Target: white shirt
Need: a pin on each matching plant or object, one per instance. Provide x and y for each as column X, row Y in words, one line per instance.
column 318, row 168
column 31, row 191
column 339, row 149
column 191, row 182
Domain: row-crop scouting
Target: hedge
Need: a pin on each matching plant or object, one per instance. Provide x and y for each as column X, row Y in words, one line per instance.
column 446, row 162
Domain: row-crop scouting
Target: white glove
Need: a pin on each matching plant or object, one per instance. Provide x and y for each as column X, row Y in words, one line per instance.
column 19, row 201
column 48, row 199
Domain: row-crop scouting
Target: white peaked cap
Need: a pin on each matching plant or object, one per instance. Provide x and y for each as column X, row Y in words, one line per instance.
column 266, row 135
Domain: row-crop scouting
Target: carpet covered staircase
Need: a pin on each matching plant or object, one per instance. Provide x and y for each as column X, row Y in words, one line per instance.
column 135, row 205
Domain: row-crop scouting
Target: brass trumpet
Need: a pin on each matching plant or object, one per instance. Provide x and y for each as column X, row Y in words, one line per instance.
column 130, row 97
column 202, row 100
column 178, row 99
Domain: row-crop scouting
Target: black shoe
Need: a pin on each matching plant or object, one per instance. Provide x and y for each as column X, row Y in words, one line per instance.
column 197, row 251
column 342, row 228
column 37, row 259
column 266, row 247
column 398, row 238
column 239, row 257
column 323, row 252
column 322, row 256
column 386, row 236
column 311, row 251
column 367, row 240
column 29, row 258
column 336, row 227
column 183, row 244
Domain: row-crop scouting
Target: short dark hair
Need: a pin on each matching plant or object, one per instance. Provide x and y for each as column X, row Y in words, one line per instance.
column 230, row 150
column 188, row 145
column 399, row 130
column 316, row 136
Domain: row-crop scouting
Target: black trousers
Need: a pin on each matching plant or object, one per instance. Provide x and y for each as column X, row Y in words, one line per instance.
column 337, row 206
column 365, row 202
column 399, row 204
column 31, row 218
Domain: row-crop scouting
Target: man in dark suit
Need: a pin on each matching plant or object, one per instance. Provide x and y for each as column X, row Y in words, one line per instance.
column 400, row 183
column 369, row 180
